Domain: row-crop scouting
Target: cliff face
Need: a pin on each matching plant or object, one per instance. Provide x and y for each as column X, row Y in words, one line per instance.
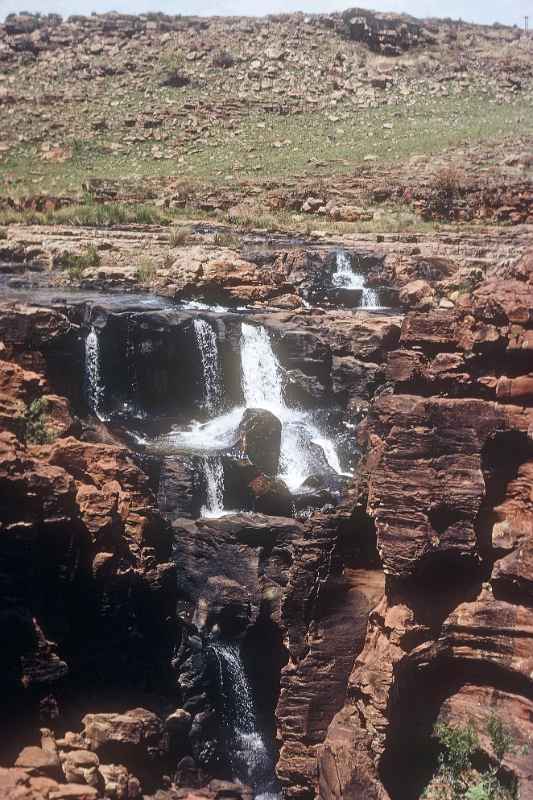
column 86, row 583
column 447, row 483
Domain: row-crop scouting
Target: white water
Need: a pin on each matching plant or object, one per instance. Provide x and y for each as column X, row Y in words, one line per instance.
column 345, row 278
column 262, row 387
column 214, row 480
column 249, row 754
column 208, row 346
column 93, row 379
column 261, row 373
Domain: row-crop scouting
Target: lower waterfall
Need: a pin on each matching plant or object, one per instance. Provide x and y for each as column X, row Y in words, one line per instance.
column 345, row 278
column 93, row 381
column 250, row 756
column 214, row 481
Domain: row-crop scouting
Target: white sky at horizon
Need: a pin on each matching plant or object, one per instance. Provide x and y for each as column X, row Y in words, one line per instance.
column 482, row 11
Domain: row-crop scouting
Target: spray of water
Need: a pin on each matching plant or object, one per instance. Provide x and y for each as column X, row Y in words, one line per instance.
column 208, row 347
column 345, row 278
column 262, row 386
column 93, row 381
column 214, row 481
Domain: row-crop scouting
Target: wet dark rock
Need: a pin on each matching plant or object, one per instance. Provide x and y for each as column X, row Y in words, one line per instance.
column 260, row 439
column 271, row 496
column 179, row 491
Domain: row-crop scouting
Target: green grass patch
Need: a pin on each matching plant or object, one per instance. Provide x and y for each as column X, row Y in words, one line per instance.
column 76, row 263
column 35, row 427
column 270, row 146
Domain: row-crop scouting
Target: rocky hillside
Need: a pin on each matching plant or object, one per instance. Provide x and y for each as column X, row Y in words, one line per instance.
column 158, row 106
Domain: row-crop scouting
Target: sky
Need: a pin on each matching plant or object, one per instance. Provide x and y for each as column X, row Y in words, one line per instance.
column 485, row 11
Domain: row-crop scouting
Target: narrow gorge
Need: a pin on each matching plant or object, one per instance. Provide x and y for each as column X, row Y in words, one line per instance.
column 267, row 524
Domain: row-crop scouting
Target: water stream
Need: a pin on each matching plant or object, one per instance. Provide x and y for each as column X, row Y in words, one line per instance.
column 262, row 385
column 94, row 386
column 214, row 480
column 345, row 278
column 207, row 344
column 251, row 759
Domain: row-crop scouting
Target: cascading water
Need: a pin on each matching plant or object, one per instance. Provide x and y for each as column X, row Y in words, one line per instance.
column 250, row 756
column 304, row 449
column 207, row 344
column 262, row 387
column 261, row 373
column 93, row 381
column 345, row 278
column 214, row 482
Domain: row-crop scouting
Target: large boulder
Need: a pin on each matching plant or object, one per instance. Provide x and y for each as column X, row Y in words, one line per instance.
column 260, row 439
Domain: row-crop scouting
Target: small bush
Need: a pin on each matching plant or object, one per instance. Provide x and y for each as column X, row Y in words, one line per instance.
column 3, row 233
column 500, row 736
column 445, row 192
column 226, row 239
column 179, row 236
column 223, row 59
column 35, row 429
column 75, row 263
column 146, row 270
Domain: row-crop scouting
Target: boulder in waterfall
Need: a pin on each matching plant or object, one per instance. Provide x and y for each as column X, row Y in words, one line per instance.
column 260, row 439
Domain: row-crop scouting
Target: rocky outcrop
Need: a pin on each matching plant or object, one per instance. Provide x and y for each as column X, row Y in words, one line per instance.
column 87, row 589
column 447, row 483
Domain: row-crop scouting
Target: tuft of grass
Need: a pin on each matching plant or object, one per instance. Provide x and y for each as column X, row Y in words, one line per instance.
column 92, row 215
column 76, row 263
column 146, row 270
column 35, row 427
column 226, row 239
column 180, row 236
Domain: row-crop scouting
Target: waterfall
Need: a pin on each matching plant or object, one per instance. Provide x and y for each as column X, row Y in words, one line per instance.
column 345, row 278
column 261, row 373
column 262, row 387
column 93, row 381
column 304, row 449
column 207, row 344
column 214, row 481
column 250, row 756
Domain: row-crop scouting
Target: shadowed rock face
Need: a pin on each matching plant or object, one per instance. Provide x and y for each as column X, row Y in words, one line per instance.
column 86, row 584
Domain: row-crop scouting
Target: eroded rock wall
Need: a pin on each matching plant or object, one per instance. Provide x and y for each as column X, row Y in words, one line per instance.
column 447, row 482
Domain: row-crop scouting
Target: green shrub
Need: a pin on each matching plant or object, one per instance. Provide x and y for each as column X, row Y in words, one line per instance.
column 456, row 777
column 146, row 270
column 35, row 428
column 179, row 236
column 500, row 736
column 76, row 263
